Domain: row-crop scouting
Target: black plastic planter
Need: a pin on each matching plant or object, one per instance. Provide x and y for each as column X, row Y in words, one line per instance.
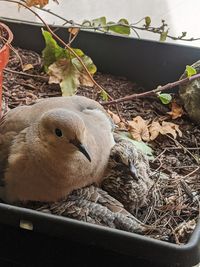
column 59, row 241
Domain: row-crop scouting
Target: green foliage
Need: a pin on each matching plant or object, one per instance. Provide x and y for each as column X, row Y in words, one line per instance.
column 104, row 95
column 52, row 51
column 163, row 36
column 190, row 71
column 165, row 98
column 147, row 21
column 99, row 22
column 147, row 150
column 120, row 29
column 64, row 68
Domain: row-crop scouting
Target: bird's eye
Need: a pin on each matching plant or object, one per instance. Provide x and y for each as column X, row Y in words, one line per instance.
column 58, row 132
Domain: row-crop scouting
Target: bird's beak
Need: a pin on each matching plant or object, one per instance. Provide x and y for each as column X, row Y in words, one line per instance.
column 81, row 148
column 133, row 171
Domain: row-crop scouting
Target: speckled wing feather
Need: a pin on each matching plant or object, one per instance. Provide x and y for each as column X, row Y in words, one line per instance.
column 127, row 176
column 92, row 204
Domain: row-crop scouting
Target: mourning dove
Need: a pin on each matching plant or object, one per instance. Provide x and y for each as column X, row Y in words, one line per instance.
column 94, row 205
column 53, row 147
column 127, row 175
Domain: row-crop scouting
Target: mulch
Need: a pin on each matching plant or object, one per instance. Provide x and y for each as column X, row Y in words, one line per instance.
column 173, row 202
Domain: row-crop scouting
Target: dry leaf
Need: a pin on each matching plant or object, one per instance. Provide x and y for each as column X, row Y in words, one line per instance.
column 40, row 3
column 27, row 67
column 122, row 125
column 114, row 116
column 176, row 111
column 154, row 130
column 85, row 80
column 73, row 31
column 170, row 128
column 138, row 129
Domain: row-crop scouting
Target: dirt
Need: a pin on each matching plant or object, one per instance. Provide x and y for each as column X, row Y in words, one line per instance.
column 3, row 37
column 173, row 202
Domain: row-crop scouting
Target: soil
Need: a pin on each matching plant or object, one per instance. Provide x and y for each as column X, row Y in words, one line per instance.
column 173, row 201
column 3, row 37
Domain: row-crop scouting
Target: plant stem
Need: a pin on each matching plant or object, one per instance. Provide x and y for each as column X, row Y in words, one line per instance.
column 152, row 92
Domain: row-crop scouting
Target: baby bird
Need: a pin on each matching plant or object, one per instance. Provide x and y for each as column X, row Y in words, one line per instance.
column 53, row 147
column 127, row 175
column 94, row 205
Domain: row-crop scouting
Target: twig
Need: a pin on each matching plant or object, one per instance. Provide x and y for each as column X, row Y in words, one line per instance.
column 188, row 148
column 25, row 74
column 71, row 39
column 184, row 148
column 13, row 49
column 152, row 92
column 191, row 173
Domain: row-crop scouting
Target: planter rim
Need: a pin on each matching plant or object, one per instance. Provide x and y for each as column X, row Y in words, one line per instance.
column 39, row 24
column 10, row 36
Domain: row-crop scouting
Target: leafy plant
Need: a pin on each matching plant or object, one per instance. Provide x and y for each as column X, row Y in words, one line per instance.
column 164, row 98
column 190, row 71
column 64, row 68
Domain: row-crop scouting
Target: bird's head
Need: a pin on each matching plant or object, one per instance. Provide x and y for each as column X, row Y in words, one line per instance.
column 123, row 156
column 64, row 130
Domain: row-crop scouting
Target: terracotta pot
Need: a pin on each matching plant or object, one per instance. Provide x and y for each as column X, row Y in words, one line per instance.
column 4, row 54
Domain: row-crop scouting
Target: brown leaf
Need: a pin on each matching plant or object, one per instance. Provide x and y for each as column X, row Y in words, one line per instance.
column 122, row 125
column 85, row 80
column 154, row 130
column 170, row 128
column 139, row 129
column 176, row 111
column 27, row 67
column 40, row 3
column 73, row 31
column 114, row 116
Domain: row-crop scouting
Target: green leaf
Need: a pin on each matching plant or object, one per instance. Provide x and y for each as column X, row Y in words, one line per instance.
column 190, row 71
column 104, row 95
column 70, row 82
column 52, row 51
column 64, row 68
column 165, row 98
column 79, row 52
column 139, row 145
column 88, row 63
column 99, row 22
column 163, row 36
column 147, row 22
column 120, row 29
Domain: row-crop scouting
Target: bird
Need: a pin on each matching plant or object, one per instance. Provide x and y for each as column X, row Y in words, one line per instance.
column 92, row 204
column 127, row 177
column 53, row 147
column 124, row 187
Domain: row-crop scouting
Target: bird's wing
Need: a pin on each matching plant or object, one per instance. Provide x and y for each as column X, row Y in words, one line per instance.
column 92, row 204
column 12, row 123
column 15, row 120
